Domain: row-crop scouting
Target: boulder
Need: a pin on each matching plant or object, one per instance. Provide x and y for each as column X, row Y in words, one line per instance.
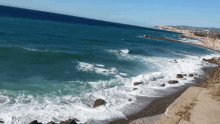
column 215, row 58
column 70, row 121
column 162, row 85
column 184, row 78
column 1, row 121
column 134, row 89
column 173, row 82
column 203, row 59
column 130, row 100
column 34, row 122
column 98, row 102
column 184, row 74
column 137, row 83
column 190, row 75
column 179, row 76
column 175, row 61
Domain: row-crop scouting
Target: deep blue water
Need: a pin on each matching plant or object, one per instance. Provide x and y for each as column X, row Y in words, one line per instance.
column 54, row 59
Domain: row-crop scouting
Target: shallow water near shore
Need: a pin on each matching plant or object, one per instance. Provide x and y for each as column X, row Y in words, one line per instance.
column 53, row 71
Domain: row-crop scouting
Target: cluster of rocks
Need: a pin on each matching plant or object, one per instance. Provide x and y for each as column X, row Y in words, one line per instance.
column 150, row 37
column 180, row 76
column 70, row 121
column 135, row 84
column 210, row 34
column 213, row 60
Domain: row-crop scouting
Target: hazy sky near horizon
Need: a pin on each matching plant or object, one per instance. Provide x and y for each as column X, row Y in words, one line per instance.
column 200, row 13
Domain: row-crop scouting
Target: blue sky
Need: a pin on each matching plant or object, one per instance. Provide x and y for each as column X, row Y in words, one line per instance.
column 200, row 13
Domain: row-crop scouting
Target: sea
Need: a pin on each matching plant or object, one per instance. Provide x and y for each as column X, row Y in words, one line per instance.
column 53, row 67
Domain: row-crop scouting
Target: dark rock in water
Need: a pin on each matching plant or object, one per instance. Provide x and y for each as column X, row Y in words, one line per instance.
column 34, row 122
column 149, row 37
column 162, row 85
column 98, row 102
column 130, row 100
column 214, row 60
column 70, row 121
column 184, row 78
column 134, row 89
column 184, row 74
column 137, row 83
column 203, row 59
column 51, row 122
column 190, row 75
column 1, row 121
column 179, row 76
column 173, row 82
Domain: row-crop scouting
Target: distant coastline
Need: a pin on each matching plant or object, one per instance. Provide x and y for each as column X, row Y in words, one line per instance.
column 209, row 38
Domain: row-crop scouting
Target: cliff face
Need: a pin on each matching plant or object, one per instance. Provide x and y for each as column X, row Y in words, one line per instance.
column 170, row 28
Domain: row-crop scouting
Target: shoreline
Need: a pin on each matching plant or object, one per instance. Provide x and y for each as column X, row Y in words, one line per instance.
column 209, row 43
column 159, row 105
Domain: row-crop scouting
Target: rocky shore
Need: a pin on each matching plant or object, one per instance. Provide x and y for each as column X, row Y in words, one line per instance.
column 156, row 108
column 197, row 105
column 209, row 38
column 159, row 106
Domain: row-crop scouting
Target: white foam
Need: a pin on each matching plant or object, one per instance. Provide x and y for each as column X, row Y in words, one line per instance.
column 87, row 67
column 60, row 108
column 125, row 51
column 100, row 65
column 123, row 74
column 191, row 41
column 30, row 49
column 122, row 56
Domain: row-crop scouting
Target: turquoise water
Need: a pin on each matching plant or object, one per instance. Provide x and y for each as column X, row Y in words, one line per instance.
column 49, row 67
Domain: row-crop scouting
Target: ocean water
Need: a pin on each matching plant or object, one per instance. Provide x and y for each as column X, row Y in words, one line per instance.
column 53, row 71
